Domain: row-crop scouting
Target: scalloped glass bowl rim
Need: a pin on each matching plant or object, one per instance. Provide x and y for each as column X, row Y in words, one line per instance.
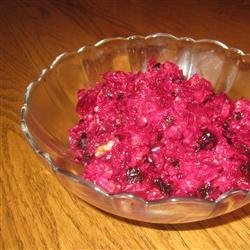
column 82, row 181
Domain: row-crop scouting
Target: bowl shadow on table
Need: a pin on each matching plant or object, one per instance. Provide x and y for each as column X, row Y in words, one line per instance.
column 210, row 223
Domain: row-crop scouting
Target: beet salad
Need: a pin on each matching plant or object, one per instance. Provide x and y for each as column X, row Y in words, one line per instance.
column 156, row 134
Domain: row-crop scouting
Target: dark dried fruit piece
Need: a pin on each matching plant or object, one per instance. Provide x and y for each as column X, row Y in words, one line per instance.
column 238, row 116
column 207, row 140
column 205, row 190
column 229, row 140
column 83, row 141
column 166, row 188
column 134, row 175
column 157, row 65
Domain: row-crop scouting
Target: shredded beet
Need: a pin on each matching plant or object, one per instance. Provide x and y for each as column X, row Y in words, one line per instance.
column 156, row 134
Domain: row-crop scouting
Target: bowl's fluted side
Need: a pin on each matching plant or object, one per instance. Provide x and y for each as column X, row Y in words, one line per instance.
column 178, row 210
column 49, row 111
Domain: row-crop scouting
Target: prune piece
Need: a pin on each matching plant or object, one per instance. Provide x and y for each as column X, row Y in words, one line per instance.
column 134, row 175
column 83, row 141
column 238, row 116
column 157, row 66
column 207, row 140
column 229, row 140
column 205, row 190
column 166, row 188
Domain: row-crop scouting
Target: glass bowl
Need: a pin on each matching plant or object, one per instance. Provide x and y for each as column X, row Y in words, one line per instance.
column 49, row 111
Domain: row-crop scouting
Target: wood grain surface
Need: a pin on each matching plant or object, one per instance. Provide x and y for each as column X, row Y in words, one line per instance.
column 36, row 211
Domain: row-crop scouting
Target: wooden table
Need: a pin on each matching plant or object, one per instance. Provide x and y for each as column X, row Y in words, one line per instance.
column 36, row 211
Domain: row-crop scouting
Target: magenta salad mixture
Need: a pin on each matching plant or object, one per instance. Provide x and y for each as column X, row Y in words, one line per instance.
column 156, row 134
